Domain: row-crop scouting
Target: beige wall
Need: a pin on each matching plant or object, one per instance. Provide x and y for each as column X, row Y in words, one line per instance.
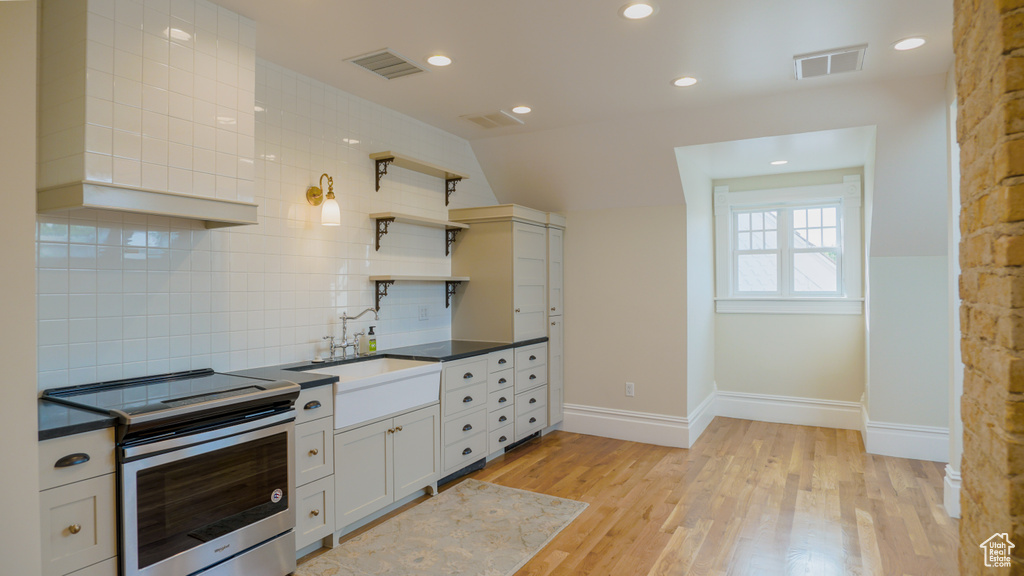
column 19, row 528
column 625, row 309
column 802, row 355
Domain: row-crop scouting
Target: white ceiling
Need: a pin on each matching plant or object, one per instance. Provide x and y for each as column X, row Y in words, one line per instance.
column 577, row 61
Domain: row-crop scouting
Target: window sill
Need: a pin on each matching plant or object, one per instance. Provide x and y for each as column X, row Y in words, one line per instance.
column 845, row 306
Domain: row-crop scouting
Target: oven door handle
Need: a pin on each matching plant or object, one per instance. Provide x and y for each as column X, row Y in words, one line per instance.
column 178, row 442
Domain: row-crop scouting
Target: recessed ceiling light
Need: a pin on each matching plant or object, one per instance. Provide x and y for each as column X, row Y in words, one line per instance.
column 522, row 109
column 350, row 141
column 636, row 11
column 684, row 81
column 909, row 43
column 439, row 60
column 780, row 162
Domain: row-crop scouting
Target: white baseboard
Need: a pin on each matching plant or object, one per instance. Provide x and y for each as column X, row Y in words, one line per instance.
column 951, row 492
column 906, row 440
column 701, row 416
column 789, row 410
column 659, row 429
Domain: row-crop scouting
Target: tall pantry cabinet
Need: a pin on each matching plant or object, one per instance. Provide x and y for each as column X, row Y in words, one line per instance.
column 514, row 255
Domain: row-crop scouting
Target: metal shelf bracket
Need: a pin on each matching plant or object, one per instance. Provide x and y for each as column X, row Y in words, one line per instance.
column 382, row 169
column 382, row 290
column 382, row 229
column 451, row 233
column 450, row 287
column 449, row 188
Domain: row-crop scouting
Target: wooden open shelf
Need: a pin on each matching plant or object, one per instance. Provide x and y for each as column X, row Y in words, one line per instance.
column 450, row 177
column 382, row 283
column 384, row 219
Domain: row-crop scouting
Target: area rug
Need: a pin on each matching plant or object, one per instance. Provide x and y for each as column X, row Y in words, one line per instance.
column 472, row 529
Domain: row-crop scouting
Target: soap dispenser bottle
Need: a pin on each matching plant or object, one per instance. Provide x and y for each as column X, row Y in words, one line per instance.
column 373, row 340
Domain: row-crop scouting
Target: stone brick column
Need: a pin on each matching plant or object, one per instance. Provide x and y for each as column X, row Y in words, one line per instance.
column 988, row 37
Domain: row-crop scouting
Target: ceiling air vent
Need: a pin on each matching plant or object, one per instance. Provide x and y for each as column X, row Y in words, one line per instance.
column 494, row 119
column 829, row 62
column 386, row 64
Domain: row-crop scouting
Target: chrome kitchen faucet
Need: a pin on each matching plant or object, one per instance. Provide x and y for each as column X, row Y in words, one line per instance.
column 344, row 334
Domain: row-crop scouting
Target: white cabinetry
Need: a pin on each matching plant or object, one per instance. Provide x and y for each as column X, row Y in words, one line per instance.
column 556, row 366
column 314, row 466
column 77, row 506
column 385, row 461
column 464, row 402
column 531, row 389
column 501, row 415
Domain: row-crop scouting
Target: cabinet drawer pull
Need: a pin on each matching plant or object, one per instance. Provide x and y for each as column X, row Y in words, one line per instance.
column 467, row 375
column 533, row 376
column 552, row 309
column 502, row 381
column 533, row 400
column 467, row 399
column 467, row 427
column 552, row 323
column 75, row 528
column 72, row 460
column 532, row 357
column 502, row 400
column 517, row 310
column 314, row 512
column 532, row 420
column 501, row 361
column 314, row 452
column 398, row 428
column 467, row 451
column 391, row 431
column 503, row 438
column 503, row 418
column 312, row 405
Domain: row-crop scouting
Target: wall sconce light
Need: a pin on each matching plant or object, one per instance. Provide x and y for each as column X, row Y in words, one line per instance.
column 330, row 214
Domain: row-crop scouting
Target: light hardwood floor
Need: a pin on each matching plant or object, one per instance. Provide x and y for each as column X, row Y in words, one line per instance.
column 749, row 498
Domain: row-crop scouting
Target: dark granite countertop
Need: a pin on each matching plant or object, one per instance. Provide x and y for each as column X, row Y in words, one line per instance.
column 56, row 420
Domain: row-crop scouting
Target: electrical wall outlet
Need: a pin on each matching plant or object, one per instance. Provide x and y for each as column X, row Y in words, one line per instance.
column 424, row 314
column 630, row 389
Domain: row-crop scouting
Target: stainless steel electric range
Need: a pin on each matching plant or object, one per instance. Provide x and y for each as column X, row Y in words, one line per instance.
column 206, row 474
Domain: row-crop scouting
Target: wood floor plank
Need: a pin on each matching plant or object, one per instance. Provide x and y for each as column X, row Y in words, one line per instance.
column 750, row 498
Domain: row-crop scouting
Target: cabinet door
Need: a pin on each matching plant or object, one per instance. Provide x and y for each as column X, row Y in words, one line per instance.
column 314, row 455
column 555, row 370
column 314, row 512
column 363, row 475
column 555, row 271
column 529, row 281
column 78, row 525
column 417, row 450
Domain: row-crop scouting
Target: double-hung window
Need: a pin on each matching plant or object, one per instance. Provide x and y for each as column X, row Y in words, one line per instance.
column 789, row 251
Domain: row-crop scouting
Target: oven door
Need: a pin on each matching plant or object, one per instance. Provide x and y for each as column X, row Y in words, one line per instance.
column 190, row 502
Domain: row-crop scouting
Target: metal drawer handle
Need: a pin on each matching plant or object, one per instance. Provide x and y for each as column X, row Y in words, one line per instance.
column 391, row 430
column 517, row 310
column 467, row 399
column 552, row 323
column 314, row 452
column 75, row 528
column 502, row 381
column 467, row 427
column 467, row 451
column 502, row 400
column 502, row 419
column 467, row 375
column 72, row 460
column 502, row 439
column 533, row 376
column 552, row 309
column 398, row 428
column 532, row 420
column 501, row 361
column 314, row 512
column 532, row 357
column 312, row 405
column 533, row 400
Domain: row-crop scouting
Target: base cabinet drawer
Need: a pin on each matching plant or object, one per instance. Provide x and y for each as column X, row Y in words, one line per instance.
column 531, row 401
column 465, row 373
column 458, row 428
column 465, row 452
column 500, row 438
column 501, row 380
column 76, row 457
column 314, row 403
column 529, row 423
column 314, row 450
column 501, row 418
column 465, row 399
column 501, row 359
column 531, row 356
column 500, row 400
column 105, row 568
column 530, row 378
column 314, row 514
column 78, row 525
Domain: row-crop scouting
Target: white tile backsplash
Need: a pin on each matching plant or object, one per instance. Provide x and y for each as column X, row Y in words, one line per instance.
column 125, row 295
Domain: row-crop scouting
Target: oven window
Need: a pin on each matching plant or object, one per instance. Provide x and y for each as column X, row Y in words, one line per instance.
column 185, row 503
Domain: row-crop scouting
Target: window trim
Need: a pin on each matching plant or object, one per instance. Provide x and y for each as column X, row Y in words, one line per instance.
column 847, row 195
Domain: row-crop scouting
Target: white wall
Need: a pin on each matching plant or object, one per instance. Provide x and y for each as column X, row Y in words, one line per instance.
column 700, row 282
column 19, row 478
column 127, row 295
column 625, row 309
column 909, row 376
